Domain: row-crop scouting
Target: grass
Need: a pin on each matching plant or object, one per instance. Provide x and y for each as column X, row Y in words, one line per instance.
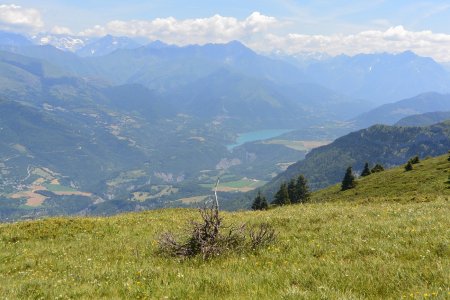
column 350, row 247
column 58, row 188
column 427, row 181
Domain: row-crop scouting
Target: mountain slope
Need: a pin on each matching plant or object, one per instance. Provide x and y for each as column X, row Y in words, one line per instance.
column 425, row 119
column 64, row 143
column 167, row 67
column 13, row 39
column 107, row 45
column 387, row 145
column 381, row 78
column 259, row 103
column 66, row 61
column 334, row 250
column 426, row 182
column 391, row 113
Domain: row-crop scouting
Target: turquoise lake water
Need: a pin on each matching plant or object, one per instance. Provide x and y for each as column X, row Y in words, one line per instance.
column 256, row 136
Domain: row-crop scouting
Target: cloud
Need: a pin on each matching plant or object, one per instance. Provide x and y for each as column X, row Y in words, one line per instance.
column 61, row 30
column 394, row 40
column 258, row 31
column 216, row 29
column 15, row 17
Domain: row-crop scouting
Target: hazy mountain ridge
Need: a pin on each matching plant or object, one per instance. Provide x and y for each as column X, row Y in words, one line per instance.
column 381, row 78
column 391, row 113
column 425, row 119
column 107, row 45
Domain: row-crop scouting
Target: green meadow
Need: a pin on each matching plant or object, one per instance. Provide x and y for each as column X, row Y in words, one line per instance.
column 386, row 239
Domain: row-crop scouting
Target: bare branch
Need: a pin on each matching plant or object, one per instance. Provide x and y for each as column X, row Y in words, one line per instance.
column 215, row 193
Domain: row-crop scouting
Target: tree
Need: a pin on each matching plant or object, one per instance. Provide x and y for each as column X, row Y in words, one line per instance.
column 415, row 160
column 302, row 190
column 377, row 168
column 282, row 196
column 408, row 166
column 260, row 202
column 292, row 190
column 366, row 171
column 349, row 180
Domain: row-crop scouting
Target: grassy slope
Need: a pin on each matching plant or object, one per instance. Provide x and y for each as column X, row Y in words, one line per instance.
column 344, row 248
column 425, row 182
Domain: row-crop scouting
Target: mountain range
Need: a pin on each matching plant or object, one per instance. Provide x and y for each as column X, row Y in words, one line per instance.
column 117, row 125
column 391, row 113
column 381, row 78
column 425, row 119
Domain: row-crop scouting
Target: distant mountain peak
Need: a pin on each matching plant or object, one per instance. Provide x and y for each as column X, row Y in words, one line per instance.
column 157, row 44
column 106, row 45
column 13, row 39
column 61, row 41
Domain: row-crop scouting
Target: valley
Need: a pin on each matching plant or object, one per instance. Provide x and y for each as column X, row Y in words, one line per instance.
column 225, row 149
column 159, row 132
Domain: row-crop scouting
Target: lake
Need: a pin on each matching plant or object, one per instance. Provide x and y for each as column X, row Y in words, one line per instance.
column 256, row 136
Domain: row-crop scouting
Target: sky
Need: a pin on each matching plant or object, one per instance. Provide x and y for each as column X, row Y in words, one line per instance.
column 286, row 26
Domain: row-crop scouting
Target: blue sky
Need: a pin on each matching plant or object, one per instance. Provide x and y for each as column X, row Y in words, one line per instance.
column 284, row 25
column 311, row 17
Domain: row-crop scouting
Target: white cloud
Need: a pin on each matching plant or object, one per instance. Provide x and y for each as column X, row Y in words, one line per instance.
column 257, row 31
column 216, row 29
column 393, row 40
column 15, row 17
column 61, row 30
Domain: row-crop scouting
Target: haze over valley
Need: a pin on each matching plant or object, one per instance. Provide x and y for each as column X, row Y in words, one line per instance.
column 224, row 149
column 104, row 124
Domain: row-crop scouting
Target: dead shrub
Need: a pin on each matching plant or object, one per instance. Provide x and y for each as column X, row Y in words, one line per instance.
column 210, row 238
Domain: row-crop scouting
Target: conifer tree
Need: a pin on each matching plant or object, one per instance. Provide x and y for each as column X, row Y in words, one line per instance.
column 282, row 196
column 302, row 190
column 415, row 160
column 349, row 180
column 260, row 202
column 264, row 205
column 257, row 202
column 377, row 168
column 408, row 166
column 366, row 170
column 292, row 190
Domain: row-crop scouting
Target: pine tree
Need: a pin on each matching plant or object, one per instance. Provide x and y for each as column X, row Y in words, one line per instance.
column 257, row 202
column 377, row 168
column 292, row 190
column 302, row 190
column 264, row 204
column 282, row 196
column 415, row 160
column 260, row 202
column 349, row 180
column 408, row 166
column 366, row 170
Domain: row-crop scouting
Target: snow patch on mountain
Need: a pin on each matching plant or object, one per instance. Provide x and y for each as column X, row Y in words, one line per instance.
column 62, row 42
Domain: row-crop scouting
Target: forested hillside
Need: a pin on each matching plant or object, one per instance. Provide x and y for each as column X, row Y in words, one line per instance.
column 379, row 144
